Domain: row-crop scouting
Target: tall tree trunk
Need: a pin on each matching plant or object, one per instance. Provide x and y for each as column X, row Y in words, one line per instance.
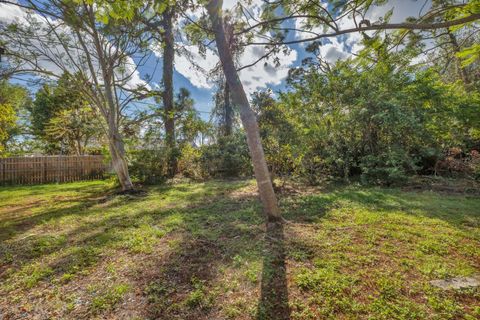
column 111, row 109
column 249, row 121
column 169, row 116
column 462, row 72
column 79, row 147
column 228, row 111
column 115, row 141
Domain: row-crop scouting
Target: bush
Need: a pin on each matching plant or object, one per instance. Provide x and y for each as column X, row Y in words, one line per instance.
column 189, row 163
column 386, row 169
column 229, row 157
column 475, row 163
column 149, row 166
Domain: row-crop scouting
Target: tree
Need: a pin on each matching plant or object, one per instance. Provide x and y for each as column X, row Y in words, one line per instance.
column 168, row 103
column 63, row 118
column 74, row 127
column 374, row 116
column 325, row 17
column 43, row 108
column 223, row 111
column 85, row 43
column 239, row 98
column 277, row 132
column 13, row 99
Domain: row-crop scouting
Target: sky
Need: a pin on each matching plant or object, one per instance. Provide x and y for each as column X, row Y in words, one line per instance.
column 260, row 76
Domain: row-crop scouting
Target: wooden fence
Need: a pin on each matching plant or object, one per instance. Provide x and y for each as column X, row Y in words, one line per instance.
column 45, row 169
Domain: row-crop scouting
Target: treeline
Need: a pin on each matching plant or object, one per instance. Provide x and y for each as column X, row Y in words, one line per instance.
column 376, row 117
column 406, row 104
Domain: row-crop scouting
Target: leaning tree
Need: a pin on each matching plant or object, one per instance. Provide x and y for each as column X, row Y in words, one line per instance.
column 316, row 21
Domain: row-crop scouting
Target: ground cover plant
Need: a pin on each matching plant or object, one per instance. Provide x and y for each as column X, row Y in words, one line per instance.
column 203, row 251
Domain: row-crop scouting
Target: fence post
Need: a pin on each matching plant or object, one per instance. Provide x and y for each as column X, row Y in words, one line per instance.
column 44, row 174
column 3, row 172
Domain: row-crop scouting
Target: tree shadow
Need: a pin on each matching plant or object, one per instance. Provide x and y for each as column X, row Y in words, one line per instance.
column 458, row 210
column 182, row 285
column 204, row 235
column 70, row 206
column 273, row 304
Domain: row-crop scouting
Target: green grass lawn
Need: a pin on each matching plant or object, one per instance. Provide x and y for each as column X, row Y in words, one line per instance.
column 202, row 251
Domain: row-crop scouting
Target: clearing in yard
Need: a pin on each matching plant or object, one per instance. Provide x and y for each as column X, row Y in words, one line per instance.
column 203, row 251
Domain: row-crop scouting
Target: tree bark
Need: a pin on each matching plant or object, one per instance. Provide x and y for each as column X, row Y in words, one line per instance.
column 115, row 141
column 249, row 121
column 169, row 111
column 228, row 111
column 119, row 162
column 111, row 109
column 462, row 72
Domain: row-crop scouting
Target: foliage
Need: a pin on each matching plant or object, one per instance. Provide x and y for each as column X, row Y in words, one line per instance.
column 149, row 151
column 279, row 134
column 382, row 121
column 149, row 165
column 13, row 100
column 76, row 127
column 63, row 118
column 228, row 157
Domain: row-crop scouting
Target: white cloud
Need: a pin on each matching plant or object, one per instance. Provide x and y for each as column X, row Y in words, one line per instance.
column 343, row 46
column 230, row 4
column 260, row 75
column 9, row 13
column 253, row 78
column 53, row 57
column 196, row 72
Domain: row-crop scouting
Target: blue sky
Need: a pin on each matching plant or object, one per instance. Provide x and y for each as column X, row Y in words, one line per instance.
column 334, row 48
column 259, row 76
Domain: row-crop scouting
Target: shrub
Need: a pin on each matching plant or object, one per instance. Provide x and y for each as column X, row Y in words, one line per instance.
column 189, row 163
column 149, row 166
column 229, row 157
column 386, row 169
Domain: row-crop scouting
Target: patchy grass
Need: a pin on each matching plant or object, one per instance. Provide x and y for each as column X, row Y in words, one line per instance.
column 202, row 251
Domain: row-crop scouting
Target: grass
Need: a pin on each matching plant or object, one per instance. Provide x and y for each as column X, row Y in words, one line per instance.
column 202, row 251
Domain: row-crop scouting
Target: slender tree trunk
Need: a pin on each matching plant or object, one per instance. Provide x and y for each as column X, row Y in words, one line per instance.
column 228, row 111
column 169, row 117
column 460, row 69
column 110, row 110
column 79, row 147
column 115, row 141
column 119, row 162
column 239, row 98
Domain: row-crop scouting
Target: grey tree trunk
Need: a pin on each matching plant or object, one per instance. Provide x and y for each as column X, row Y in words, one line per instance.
column 228, row 111
column 249, row 121
column 111, row 110
column 119, row 161
column 115, row 141
column 169, row 111
column 460, row 69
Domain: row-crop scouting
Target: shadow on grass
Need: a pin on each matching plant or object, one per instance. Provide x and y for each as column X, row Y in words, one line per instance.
column 213, row 231
column 73, row 205
column 273, row 304
column 459, row 210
